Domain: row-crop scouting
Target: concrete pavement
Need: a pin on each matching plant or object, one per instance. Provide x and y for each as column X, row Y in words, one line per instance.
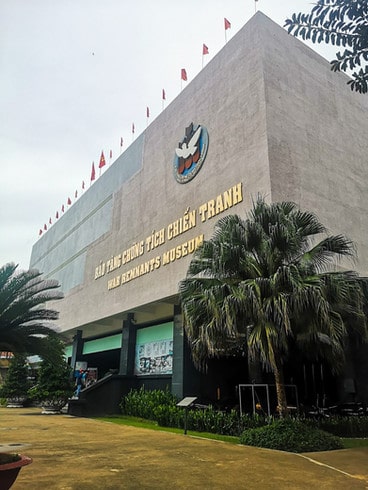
column 72, row 453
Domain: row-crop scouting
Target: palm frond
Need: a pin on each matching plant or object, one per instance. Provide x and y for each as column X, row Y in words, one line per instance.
column 24, row 318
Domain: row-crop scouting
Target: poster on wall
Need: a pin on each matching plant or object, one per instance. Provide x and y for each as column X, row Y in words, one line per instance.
column 154, row 357
column 79, row 366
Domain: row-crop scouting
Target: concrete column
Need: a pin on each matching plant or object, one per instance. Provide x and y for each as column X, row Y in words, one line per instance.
column 177, row 382
column 77, row 348
column 128, row 339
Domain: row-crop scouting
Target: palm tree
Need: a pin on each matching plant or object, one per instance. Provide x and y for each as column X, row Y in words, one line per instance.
column 265, row 281
column 24, row 319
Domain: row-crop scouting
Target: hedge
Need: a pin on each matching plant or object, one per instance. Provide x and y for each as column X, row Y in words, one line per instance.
column 160, row 406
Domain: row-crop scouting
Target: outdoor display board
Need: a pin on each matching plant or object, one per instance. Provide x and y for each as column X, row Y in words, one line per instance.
column 154, row 350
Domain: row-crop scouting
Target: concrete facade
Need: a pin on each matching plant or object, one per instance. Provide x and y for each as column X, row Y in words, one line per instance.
column 280, row 124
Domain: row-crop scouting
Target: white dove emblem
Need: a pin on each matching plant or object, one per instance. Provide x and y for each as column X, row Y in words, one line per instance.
column 190, row 148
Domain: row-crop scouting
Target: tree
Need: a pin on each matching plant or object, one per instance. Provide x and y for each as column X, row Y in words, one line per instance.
column 342, row 23
column 264, row 281
column 16, row 383
column 24, row 318
column 54, row 380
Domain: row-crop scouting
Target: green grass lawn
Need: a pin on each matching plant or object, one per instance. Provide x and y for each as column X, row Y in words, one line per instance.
column 149, row 424
column 351, row 443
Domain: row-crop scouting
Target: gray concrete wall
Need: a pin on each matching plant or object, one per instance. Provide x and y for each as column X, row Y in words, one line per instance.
column 227, row 97
column 316, row 129
column 61, row 252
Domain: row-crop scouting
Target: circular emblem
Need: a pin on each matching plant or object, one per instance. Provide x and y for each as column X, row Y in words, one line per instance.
column 190, row 153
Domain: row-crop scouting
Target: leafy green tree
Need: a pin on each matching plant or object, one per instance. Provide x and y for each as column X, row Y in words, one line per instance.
column 266, row 282
column 54, row 379
column 16, row 383
column 342, row 23
column 24, row 317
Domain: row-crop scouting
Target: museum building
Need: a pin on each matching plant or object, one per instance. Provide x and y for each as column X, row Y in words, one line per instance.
column 265, row 116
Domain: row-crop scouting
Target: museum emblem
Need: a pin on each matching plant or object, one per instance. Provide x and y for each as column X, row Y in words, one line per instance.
column 190, row 153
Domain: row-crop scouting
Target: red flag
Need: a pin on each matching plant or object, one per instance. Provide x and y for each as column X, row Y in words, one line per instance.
column 45, row 226
column 50, row 221
column 83, row 184
column 93, row 172
column 205, row 49
column 110, row 154
column 184, row 75
column 40, row 232
column 63, row 208
column 57, row 215
column 69, row 201
column 227, row 24
column 147, row 111
column 163, row 94
column 76, row 194
column 133, row 128
column 121, row 142
column 102, row 161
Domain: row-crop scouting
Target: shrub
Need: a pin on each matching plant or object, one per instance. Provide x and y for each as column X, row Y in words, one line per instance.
column 214, row 421
column 142, row 403
column 345, row 426
column 248, row 421
column 160, row 406
column 290, row 435
column 169, row 416
column 208, row 420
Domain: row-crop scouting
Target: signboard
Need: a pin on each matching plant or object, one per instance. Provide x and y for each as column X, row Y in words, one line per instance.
column 187, row 401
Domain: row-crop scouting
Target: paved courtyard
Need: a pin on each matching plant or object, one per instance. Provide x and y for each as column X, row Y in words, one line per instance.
column 72, row 453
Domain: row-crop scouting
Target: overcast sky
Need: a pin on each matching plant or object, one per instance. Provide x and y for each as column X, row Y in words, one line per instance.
column 75, row 75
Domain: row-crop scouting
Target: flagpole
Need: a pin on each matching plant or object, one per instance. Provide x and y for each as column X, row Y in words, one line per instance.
column 163, row 97
column 93, row 174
